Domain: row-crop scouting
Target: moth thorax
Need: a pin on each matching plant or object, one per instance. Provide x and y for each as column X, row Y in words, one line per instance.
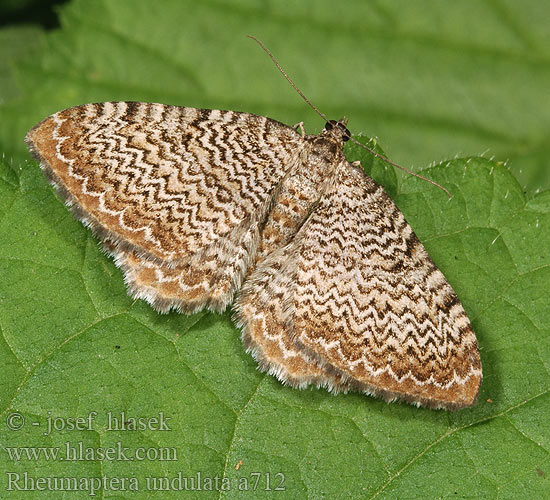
column 338, row 126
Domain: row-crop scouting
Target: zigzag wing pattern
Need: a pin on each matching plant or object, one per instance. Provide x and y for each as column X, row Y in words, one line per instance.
column 174, row 191
column 208, row 278
column 338, row 291
column 264, row 309
column 370, row 302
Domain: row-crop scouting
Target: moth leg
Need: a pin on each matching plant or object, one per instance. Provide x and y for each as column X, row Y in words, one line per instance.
column 300, row 126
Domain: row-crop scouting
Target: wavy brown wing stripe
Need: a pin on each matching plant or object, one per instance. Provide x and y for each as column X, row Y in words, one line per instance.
column 264, row 309
column 332, row 286
column 163, row 181
column 208, row 279
column 373, row 305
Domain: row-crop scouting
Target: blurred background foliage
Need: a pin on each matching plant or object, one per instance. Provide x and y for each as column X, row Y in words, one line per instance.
column 432, row 80
column 39, row 12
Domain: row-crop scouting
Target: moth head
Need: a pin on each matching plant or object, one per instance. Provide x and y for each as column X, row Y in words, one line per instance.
column 339, row 126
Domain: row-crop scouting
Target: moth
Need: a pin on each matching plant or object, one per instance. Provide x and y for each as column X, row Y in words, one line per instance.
column 204, row 208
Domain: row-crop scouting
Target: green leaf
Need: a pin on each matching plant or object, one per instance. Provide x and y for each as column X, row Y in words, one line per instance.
column 73, row 342
column 431, row 79
column 381, row 171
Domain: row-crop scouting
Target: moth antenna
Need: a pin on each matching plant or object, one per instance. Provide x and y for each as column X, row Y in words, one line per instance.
column 312, row 106
column 288, row 77
column 382, row 157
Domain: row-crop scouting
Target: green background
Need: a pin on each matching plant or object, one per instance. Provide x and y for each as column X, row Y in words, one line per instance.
column 433, row 81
